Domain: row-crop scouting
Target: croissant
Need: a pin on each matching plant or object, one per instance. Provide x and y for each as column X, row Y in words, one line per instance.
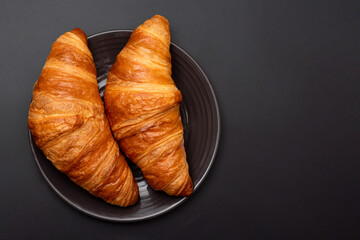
column 142, row 105
column 68, row 123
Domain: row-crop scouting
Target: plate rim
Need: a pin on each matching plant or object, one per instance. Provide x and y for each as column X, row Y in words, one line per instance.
column 181, row 200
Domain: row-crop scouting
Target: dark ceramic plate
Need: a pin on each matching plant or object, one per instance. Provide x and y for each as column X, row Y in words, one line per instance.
column 200, row 117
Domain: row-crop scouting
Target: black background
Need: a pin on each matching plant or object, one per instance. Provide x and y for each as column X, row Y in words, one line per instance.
column 286, row 74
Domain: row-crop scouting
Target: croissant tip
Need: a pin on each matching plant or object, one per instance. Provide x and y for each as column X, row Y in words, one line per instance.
column 187, row 193
column 188, row 190
column 160, row 17
column 80, row 33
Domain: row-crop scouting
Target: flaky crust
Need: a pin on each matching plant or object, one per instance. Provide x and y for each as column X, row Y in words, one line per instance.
column 68, row 123
column 142, row 105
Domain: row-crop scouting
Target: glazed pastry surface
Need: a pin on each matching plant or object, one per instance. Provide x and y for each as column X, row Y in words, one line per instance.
column 142, row 105
column 68, row 122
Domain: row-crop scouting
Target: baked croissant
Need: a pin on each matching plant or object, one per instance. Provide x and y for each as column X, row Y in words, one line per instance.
column 142, row 105
column 68, row 122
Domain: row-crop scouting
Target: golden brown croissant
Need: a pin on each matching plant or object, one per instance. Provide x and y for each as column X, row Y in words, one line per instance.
column 142, row 105
column 68, row 122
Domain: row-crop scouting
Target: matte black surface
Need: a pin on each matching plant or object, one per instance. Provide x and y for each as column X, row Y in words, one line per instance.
column 286, row 75
column 200, row 118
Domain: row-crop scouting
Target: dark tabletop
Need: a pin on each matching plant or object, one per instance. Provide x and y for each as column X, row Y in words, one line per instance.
column 286, row 75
